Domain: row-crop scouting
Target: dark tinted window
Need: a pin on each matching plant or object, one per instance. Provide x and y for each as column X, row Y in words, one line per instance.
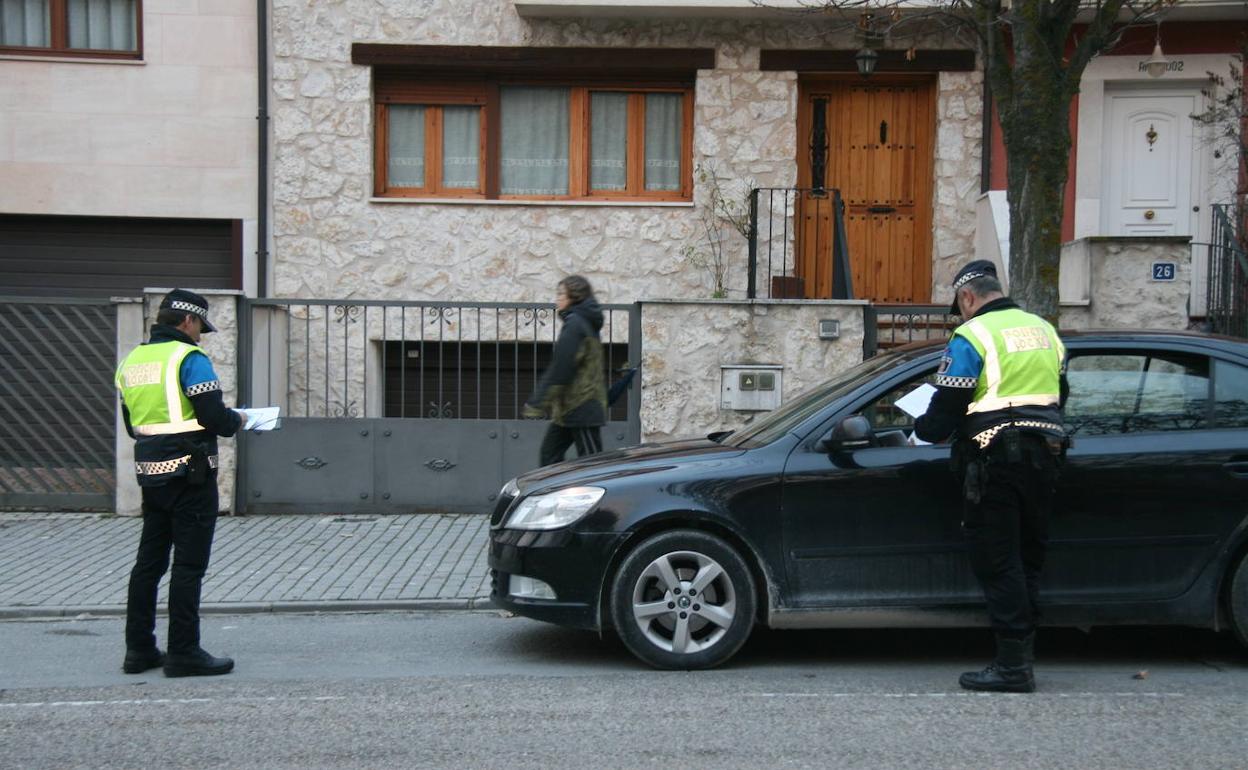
column 1137, row 392
column 1230, row 388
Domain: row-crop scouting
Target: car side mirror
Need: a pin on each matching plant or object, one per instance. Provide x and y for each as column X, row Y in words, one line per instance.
column 718, row 435
column 853, row 432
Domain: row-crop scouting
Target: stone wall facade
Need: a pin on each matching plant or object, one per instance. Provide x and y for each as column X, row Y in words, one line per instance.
column 1120, row 286
column 332, row 239
column 684, row 344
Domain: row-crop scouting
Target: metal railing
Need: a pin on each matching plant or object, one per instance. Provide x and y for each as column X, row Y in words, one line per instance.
column 420, row 360
column 57, row 404
column 890, row 326
column 787, row 223
column 1227, row 297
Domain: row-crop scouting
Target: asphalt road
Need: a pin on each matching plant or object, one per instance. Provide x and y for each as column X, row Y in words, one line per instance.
column 481, row 690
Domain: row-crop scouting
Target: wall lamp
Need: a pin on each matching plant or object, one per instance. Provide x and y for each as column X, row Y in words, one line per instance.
column 866, row 59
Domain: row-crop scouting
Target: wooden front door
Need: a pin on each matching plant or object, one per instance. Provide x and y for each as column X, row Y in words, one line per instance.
column 872, row 140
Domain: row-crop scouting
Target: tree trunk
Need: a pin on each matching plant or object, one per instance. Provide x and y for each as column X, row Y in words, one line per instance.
column 1035, row 123
column 1037, row 157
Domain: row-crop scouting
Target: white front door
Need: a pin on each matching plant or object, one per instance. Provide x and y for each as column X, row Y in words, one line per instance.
column 1152, row 165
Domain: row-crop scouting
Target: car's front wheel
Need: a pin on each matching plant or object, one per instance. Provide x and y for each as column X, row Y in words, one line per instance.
column 1239, row 600
column 683, row 599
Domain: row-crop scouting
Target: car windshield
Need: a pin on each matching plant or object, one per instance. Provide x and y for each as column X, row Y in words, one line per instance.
column 776, row 424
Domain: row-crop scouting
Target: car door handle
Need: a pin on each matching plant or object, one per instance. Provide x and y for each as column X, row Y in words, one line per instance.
column 1237, row 468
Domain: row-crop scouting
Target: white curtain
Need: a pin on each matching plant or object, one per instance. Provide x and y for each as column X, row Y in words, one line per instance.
column 102, row 25
column 461, row 141
column 535, row 141
column 405, row 167
column 24, row 23
column 608, row 142
column 664, row 114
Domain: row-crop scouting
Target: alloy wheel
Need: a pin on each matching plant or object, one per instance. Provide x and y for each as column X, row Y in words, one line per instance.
column 684, row 602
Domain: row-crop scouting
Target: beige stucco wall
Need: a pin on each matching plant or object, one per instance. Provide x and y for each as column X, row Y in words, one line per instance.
column 171, row 136
column 684, row 343
column 332, row 240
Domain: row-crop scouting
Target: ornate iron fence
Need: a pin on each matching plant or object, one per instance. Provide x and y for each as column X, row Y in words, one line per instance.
column 890, row 326
column 423, row 360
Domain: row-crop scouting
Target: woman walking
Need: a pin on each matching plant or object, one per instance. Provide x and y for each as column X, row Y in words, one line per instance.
column 573, row 388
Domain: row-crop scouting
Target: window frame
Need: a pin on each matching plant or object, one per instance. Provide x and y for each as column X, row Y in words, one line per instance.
column 433, row 99
column 394, row 92
column 58, row 38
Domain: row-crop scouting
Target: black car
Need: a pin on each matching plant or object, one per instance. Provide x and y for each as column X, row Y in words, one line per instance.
column 822, row 515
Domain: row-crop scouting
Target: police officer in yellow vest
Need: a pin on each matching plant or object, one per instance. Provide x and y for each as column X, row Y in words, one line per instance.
column 173, row 408
column 999, row 394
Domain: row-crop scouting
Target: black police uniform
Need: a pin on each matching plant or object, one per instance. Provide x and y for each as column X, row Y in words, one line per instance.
column 180, row 502
column 1008, row 488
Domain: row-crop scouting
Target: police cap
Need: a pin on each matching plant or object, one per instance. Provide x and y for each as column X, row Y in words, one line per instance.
column 188, row 302
column 970, row 271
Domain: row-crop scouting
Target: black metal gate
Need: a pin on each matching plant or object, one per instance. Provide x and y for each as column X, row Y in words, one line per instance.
column 393, row 407
column 57, row 403
column 1227, row 305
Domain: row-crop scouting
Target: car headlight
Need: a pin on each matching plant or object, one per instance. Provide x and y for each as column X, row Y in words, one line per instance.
column 510, row 489
column 554, row 510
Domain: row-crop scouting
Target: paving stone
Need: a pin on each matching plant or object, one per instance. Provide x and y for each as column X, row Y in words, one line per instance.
column 54, row 563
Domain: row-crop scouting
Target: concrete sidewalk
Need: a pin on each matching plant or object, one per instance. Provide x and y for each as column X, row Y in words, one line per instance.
column 66, row 564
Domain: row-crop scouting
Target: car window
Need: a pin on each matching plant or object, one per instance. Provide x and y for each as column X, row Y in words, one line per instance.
column 1230, row 389
column 1137, row 393
column 883, row 414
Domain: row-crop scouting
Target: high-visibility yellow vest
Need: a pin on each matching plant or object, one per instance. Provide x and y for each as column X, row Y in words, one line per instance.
column 152, row 390
column 1022, row 356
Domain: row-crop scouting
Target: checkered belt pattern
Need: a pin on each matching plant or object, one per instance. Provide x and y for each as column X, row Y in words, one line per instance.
column 984, row 438
column 158, row 467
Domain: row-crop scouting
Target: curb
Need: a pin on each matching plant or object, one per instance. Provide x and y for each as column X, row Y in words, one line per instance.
column 257, row 608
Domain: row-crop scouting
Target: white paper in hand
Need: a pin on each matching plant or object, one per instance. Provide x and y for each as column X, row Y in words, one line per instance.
column 915, row 402
column 260, row 418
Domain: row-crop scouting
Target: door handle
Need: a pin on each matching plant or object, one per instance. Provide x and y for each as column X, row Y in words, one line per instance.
column 881, row 209
column 1237, row 468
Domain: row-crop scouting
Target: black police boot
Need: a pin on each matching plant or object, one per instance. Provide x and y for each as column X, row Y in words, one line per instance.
column 1010, row 672
column 138, row 661
column 197, row 663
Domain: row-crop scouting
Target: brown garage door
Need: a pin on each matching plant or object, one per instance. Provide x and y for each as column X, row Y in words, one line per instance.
column 58, row 340
column 111, row 256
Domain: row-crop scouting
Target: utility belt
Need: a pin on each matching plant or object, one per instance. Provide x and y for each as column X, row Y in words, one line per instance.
column 196, row 465
column 164, row 467
column 1011, row 443
column 1042, row 428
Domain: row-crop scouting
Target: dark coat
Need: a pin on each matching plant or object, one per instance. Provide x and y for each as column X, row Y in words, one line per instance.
column 573, row 388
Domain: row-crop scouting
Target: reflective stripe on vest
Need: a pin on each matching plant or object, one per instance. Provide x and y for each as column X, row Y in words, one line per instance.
column 150, row 385
column 1022, row 356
